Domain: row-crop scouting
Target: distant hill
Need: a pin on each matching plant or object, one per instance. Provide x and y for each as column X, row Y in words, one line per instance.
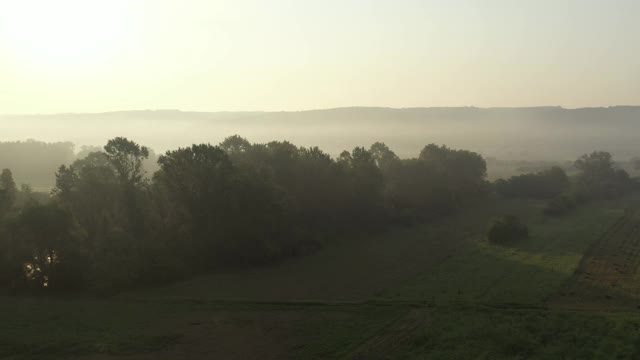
column 535, row 133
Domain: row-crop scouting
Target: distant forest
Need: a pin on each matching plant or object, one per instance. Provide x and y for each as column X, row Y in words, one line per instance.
column 532, row 134
column 109, row 224
column 34, row 163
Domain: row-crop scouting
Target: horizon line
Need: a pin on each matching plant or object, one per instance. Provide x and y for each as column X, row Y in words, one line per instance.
column 322, row 109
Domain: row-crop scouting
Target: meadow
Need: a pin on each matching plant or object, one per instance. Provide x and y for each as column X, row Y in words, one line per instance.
column 433, row 291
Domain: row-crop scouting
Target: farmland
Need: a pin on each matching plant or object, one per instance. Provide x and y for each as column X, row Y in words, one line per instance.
column 449, row 260
column 608, row 274
column 434, row 291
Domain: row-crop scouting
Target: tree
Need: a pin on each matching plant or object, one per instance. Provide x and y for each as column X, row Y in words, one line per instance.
column 90, row 190
column 599, row 178
column 8, row 192
column 469, row 165
column 545, row 184
column 384, row 157
column 463, row 170
column 416, row 190
column 10, row 267
column 595, row 166
column 113, row 218
column 51, row 255
column 107, row 227
column 198, row 183
column 235, row 145
column 127, row 158
column 85, row 150
column 367, row 185
column 320, row 193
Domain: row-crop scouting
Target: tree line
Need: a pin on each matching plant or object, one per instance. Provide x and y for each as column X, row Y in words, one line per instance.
column 109, row 226
column 599, row 177
column 35, row 162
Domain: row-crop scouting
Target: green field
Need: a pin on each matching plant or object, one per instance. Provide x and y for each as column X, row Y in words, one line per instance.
column 164, row 330
column 434, row 291
column 446, row 260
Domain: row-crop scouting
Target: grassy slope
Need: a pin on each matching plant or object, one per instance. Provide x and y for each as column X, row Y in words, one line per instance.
column 477, row 333
column 108, row 330
column 440, row 262
column 44, row 329
column 528, row 272
column 447, row 260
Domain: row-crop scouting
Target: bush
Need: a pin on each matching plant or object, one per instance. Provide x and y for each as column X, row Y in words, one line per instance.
column 507, row 229
column 561, row 205
column 542, row 185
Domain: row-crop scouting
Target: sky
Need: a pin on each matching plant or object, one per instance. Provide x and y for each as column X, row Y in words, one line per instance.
column 208, row 55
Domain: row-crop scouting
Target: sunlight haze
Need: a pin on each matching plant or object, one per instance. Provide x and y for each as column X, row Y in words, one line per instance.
column 327, row 179
column 93, row 56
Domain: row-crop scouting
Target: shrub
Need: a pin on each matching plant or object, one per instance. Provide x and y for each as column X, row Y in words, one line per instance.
column 507, row 229
column 542, row 185
column 561, row 205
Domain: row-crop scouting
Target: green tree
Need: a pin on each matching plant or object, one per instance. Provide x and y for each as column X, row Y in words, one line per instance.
column 464, row 171
column 112, row 215
column 235, row 145
column 90, row 189
column 127, row 158
column 595, row 166
column 544, row 184
column 600, row 178
column 8, row 192
column 51, row 250
column 384, row 157
column 198, row 184
column 367, row 185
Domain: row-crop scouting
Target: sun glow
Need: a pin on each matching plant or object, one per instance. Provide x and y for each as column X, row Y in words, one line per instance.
column 64, row 34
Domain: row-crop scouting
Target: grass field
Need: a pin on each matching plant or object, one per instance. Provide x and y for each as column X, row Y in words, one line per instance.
column 435, row 291
column 447, row 260
column 608, row 276
column 164, row 330
column 40, row 329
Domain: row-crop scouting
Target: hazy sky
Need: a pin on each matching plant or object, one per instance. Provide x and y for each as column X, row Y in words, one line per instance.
column 102, row 55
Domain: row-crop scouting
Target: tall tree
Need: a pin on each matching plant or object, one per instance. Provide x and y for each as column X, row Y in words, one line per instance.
column 599, row 176
column 127, row 158
column 384, row 157
column 235, row 145
column 51, row 250
column 367, row 184
column 8, row 192
column 198, row 182
column 463, row 170
column 595, row 166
